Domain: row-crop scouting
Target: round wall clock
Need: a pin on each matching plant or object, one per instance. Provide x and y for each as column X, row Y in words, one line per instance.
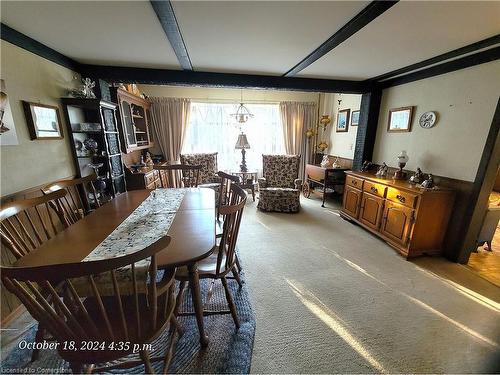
column 428, row 120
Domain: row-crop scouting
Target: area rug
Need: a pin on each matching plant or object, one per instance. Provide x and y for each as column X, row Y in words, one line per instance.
column 229, row 351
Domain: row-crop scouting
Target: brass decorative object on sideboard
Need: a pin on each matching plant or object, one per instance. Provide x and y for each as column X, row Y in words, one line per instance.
column 411, row 219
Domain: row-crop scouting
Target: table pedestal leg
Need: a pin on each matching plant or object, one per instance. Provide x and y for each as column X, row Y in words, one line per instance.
column 194, row 284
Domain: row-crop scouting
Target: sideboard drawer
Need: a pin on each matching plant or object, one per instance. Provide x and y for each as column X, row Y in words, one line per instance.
column 375, row 189
column 403, row 197
column 150, row 178
column 354, row 182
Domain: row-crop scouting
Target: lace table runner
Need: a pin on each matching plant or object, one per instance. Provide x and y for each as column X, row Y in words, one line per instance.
column 145, row 225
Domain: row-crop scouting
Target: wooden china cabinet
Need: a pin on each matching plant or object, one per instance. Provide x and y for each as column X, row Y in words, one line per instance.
column 135, row 133
column 411, row 219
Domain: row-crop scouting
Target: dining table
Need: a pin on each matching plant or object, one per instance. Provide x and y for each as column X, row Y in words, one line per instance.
column 192, row 233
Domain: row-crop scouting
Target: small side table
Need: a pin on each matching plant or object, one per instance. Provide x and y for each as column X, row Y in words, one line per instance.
column 248, row 180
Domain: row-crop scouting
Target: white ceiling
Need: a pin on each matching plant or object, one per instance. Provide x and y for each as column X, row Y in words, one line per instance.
column 123, row 33
column 409, row 32
column 260, row 37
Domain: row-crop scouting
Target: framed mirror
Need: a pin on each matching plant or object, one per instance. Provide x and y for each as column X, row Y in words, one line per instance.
column 43, row 121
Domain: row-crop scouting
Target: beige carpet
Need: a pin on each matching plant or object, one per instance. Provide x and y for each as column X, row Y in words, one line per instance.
column 331, row 298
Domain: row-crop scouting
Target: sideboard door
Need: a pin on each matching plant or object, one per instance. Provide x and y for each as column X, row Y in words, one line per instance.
column 371, row 210
column 352, row 201
column 397, row 221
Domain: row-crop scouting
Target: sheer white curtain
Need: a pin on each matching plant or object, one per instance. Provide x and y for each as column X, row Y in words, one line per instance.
column 211, row 128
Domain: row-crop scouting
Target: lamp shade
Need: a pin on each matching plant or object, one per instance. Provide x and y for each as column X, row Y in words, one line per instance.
column 242, row 142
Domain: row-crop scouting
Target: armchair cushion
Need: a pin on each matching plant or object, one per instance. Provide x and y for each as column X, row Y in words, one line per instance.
column 262, row 182
column 281, row 170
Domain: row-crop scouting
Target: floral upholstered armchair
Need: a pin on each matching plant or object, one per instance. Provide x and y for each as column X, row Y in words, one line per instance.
column 279, row 189
column 208, row 162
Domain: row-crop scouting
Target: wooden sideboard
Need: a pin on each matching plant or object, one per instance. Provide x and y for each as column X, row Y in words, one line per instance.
column 411, row 219
column 145, row 178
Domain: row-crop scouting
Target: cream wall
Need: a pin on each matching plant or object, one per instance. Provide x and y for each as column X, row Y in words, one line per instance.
column 341, row 144
column 31, row 78
column 465, row 101
column 228, row 95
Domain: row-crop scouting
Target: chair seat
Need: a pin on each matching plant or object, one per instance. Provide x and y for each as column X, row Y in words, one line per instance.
column 279, row 199
column 207, row 268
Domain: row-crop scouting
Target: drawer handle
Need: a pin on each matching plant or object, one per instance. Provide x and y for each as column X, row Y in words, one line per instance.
column 373, row 189
column 354, row 182
column 401, row 198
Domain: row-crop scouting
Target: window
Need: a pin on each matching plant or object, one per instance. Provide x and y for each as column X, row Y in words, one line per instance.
column 211, row 128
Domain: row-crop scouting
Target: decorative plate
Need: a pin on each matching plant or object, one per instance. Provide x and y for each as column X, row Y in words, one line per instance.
column 428, row 120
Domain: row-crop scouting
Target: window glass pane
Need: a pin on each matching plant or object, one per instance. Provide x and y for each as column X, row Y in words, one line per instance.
column 211, row 128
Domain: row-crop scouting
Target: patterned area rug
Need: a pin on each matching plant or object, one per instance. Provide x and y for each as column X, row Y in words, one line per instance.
column 229, row 351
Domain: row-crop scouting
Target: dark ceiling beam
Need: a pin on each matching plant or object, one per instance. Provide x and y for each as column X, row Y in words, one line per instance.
column 23, row 41
column 228, row 80
column 165, row 13
column 437, row 59
column 446, row 67
column 363, row 18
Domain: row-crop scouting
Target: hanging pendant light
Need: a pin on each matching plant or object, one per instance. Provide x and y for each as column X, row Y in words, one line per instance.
column 242, row 113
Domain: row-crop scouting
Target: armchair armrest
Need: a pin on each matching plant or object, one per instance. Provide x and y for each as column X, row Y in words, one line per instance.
column 298, row 183
column 262, row 182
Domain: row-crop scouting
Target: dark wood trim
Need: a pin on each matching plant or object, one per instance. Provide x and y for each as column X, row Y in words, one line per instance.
column 482, row 187
column 440, row 58
column 367, row 127
column 447, row 67
column 165, row 13
column 363, row 18
column 25, row 42
column 208, row 79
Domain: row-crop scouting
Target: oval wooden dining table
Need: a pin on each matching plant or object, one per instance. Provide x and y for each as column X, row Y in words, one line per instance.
column 192, row 235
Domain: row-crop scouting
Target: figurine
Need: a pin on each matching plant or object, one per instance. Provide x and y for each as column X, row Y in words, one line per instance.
column 149, row 161
column 429, row 183
column 417, row 177
column 85, row 90
column 367, row 165
column 325, row 163
column 382, row 170
column 336, row 163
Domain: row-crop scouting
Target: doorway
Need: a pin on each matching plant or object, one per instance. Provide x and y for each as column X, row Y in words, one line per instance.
column 485, row 259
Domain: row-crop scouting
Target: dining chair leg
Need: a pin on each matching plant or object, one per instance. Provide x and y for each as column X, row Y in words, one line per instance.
column 147, row 362
column 40, row 333
column 180, row 296
column 237, row 260
column 76, row 368
column 236, row 275
column 194, row 283
column 230, row 302
column 177, row 327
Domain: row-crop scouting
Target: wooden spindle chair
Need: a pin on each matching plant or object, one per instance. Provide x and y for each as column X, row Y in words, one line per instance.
column 223, row 197
column 223, row 260
column 73, row 206
column 27, row 224
column 169, row 177
column 80, row 309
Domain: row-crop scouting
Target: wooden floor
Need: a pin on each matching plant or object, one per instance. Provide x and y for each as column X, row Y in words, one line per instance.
column 487, row 263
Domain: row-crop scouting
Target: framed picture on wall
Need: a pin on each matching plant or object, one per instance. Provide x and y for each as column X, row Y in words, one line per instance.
column 43, row 121
column 400, row 119
column 354, row 118
column 343, row 120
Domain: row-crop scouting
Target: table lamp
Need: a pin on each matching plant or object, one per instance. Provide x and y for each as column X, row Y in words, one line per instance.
column 242, row 144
